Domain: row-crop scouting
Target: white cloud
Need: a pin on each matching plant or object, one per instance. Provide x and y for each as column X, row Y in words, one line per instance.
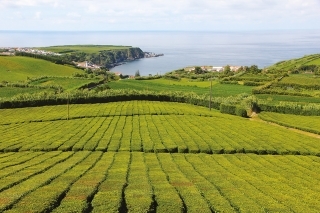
column 73, row 15
column 162, row 14
column 37, row 15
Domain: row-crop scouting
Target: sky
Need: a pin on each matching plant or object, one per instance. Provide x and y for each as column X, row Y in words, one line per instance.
column 158, row 15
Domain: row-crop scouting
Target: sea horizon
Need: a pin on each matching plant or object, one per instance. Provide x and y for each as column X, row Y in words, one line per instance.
column 182, row 48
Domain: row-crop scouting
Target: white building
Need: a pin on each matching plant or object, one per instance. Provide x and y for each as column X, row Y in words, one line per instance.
column 217, row 69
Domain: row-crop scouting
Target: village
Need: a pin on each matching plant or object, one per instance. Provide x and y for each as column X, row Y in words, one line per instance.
column 213, row 68
column 12, row 50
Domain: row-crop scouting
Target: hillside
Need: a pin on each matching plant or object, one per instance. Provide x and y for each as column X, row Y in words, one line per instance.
column 143, row 156
column 15, row 68
column 103, row 55
column 308, row 63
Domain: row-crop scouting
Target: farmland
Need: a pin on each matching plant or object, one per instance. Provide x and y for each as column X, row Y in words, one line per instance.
column 153, row 129
column 16, row 68
column 147, row 182
column 292, row 64
column 306, row 123
column 127, row 150
column 66, row 83
column 12, row 91
column 218, row 90
column 82, row 48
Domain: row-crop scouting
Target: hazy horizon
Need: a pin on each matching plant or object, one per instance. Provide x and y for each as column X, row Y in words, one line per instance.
column 158, row 15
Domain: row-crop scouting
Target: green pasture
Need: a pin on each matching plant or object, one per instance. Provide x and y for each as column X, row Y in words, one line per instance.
column 301, row 79
column 293, row 63
column 185, row 82
column 218, row 90
column 276, row 99
column 16, row 68
column 82, row 48
column 66, row 83
column 254, row 77
column 314, row 62
column 6, row 92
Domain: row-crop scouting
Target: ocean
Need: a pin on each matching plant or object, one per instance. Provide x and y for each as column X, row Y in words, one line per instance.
column 182, row 49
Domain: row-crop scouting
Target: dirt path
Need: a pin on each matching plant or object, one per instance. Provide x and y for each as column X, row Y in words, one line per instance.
column 255, row 118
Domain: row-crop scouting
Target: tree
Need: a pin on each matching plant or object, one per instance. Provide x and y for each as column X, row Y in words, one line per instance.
column 198, row 70
column 137, row 74
column 254, row 69
column 227, row 70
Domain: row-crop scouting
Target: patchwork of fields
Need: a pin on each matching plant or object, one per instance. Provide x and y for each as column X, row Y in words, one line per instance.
column 122, row 127
column 218, row 90
column 143, row 156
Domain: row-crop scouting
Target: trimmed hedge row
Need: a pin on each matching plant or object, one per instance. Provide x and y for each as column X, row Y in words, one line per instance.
column 292, row 108
column 233, row 110
column 290, row 126
column 85, row 97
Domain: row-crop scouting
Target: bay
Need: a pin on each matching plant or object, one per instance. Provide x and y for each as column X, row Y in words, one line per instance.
column 183, row 48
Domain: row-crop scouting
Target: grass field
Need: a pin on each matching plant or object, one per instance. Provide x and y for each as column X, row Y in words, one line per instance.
column 290, row 65
column 145, row 126
column 301, row 79
column 6, row 92
column 314, row 62
column 14, row 68
column 142, row 182
column 185, row 82
column 66, row 83
column 218, row 90
column 276, row 99
column 82, row 48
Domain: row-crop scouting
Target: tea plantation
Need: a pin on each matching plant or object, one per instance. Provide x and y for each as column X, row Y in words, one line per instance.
column 144, row 156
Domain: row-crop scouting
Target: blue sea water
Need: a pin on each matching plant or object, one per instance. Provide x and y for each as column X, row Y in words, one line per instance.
column 182, row 49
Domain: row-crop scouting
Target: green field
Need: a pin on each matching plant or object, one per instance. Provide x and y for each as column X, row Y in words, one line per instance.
column 145, row 126
column 276, row 99
column 291, row 64
column 114, row 158
column 314, row 62
column 306, row 123
column 6, row 92
column 301, row 79
column 16, row 68
column 151, row 156
column 185, row 82
column 218, row 90
column 82, row 48
column 142, row 182
column 66, row 83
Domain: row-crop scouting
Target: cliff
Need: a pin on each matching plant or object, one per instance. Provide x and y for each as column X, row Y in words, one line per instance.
column 110, row 58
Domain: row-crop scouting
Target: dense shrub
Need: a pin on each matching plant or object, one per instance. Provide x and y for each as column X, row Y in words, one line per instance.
column 228, row 109
column 240, row 111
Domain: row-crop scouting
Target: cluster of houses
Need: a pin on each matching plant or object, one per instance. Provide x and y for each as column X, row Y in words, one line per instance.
column 36, row 51
column 151, row 54
column 12, row 50
column 88, row 64
column 214, row 69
